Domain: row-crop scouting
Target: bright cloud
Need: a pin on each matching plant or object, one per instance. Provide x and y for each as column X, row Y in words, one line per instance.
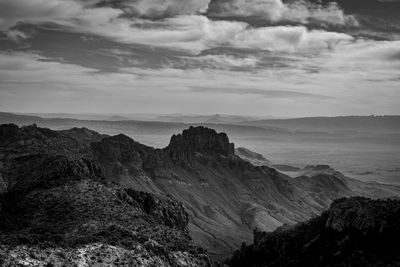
column 192, row 33
column 276, row 10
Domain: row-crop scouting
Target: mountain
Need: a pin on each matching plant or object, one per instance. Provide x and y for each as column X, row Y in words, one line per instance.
column 224, row 196
column 156, row 132
column 217, row 118
column 373, row 124
column 58, row 209
column 254, row 158
column 353, row 232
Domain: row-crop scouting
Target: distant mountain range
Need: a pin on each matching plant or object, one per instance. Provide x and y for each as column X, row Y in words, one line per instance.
column 77, row 181
column 168, row 124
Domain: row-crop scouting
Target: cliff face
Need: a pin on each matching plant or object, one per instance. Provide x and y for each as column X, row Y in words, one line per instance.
column 353, row 232
column 198, row 140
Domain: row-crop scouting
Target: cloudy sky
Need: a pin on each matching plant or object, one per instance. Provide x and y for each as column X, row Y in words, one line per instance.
column 245, row 57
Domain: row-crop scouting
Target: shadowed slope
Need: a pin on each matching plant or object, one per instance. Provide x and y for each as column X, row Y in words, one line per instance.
column 353, row 232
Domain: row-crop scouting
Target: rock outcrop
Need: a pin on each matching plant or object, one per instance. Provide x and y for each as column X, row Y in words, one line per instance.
column 58, row 208
column 353, row 232
column 185, row 146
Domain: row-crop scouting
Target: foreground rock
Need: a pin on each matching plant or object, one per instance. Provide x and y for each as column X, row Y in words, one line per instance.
column 353, row 232
column 58, row 209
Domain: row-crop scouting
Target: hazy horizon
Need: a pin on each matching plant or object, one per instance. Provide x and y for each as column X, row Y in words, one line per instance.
column 244, row 115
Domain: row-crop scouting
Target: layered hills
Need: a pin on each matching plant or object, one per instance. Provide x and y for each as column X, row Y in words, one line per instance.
column 88, row 181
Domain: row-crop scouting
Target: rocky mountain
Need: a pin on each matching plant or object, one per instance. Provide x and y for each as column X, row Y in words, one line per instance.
column 353, row 232
column 58, row 209
column 225, row 197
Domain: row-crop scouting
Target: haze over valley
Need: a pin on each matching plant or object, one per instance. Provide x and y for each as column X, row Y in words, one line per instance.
column 365, row 148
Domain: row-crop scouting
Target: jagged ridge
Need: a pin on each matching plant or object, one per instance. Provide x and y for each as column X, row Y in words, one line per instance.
column 58, row 208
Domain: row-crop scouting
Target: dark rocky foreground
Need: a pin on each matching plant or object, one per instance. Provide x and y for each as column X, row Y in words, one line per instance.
column 58, row 209
column 77, row 197
column 353, row 232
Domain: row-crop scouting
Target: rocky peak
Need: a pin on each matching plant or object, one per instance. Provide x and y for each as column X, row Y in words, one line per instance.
column 84, row 135
column 199, row 140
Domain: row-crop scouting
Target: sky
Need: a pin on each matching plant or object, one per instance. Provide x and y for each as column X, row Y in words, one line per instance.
column 244, row 57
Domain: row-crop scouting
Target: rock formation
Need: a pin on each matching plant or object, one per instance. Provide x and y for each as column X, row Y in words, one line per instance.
column 195, row 140
column 353, row 232
column 57, row 208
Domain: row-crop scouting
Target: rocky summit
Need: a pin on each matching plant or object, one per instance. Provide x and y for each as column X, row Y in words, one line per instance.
column 76, row 197
column 198, row 140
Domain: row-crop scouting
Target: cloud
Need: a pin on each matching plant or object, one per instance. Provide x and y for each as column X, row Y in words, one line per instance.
column 156, row 9
column 16, row 35
column 197, row 33
column 289, row 39
column 257, row 92
column 276, row 11
column 225, row 62
column 191, row 33
column 269, row 9
column 33, row 83
column 274, row 67
column 12, row 12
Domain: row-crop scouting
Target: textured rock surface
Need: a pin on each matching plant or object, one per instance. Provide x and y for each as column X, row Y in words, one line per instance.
column 57, row 208
column 194, row 140
column 353, row 232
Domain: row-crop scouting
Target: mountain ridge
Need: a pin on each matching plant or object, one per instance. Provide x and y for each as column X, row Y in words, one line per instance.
column 356, row 231
column 225, row 196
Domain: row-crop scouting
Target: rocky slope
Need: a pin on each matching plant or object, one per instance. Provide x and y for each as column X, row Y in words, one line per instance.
column 254, row 158
column 225, row 196
column 57, row 208
column 353, row 232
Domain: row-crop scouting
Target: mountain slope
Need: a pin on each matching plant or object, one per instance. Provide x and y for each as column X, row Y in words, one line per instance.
column 353, row 232
column 225, row 196
column 58, row 209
